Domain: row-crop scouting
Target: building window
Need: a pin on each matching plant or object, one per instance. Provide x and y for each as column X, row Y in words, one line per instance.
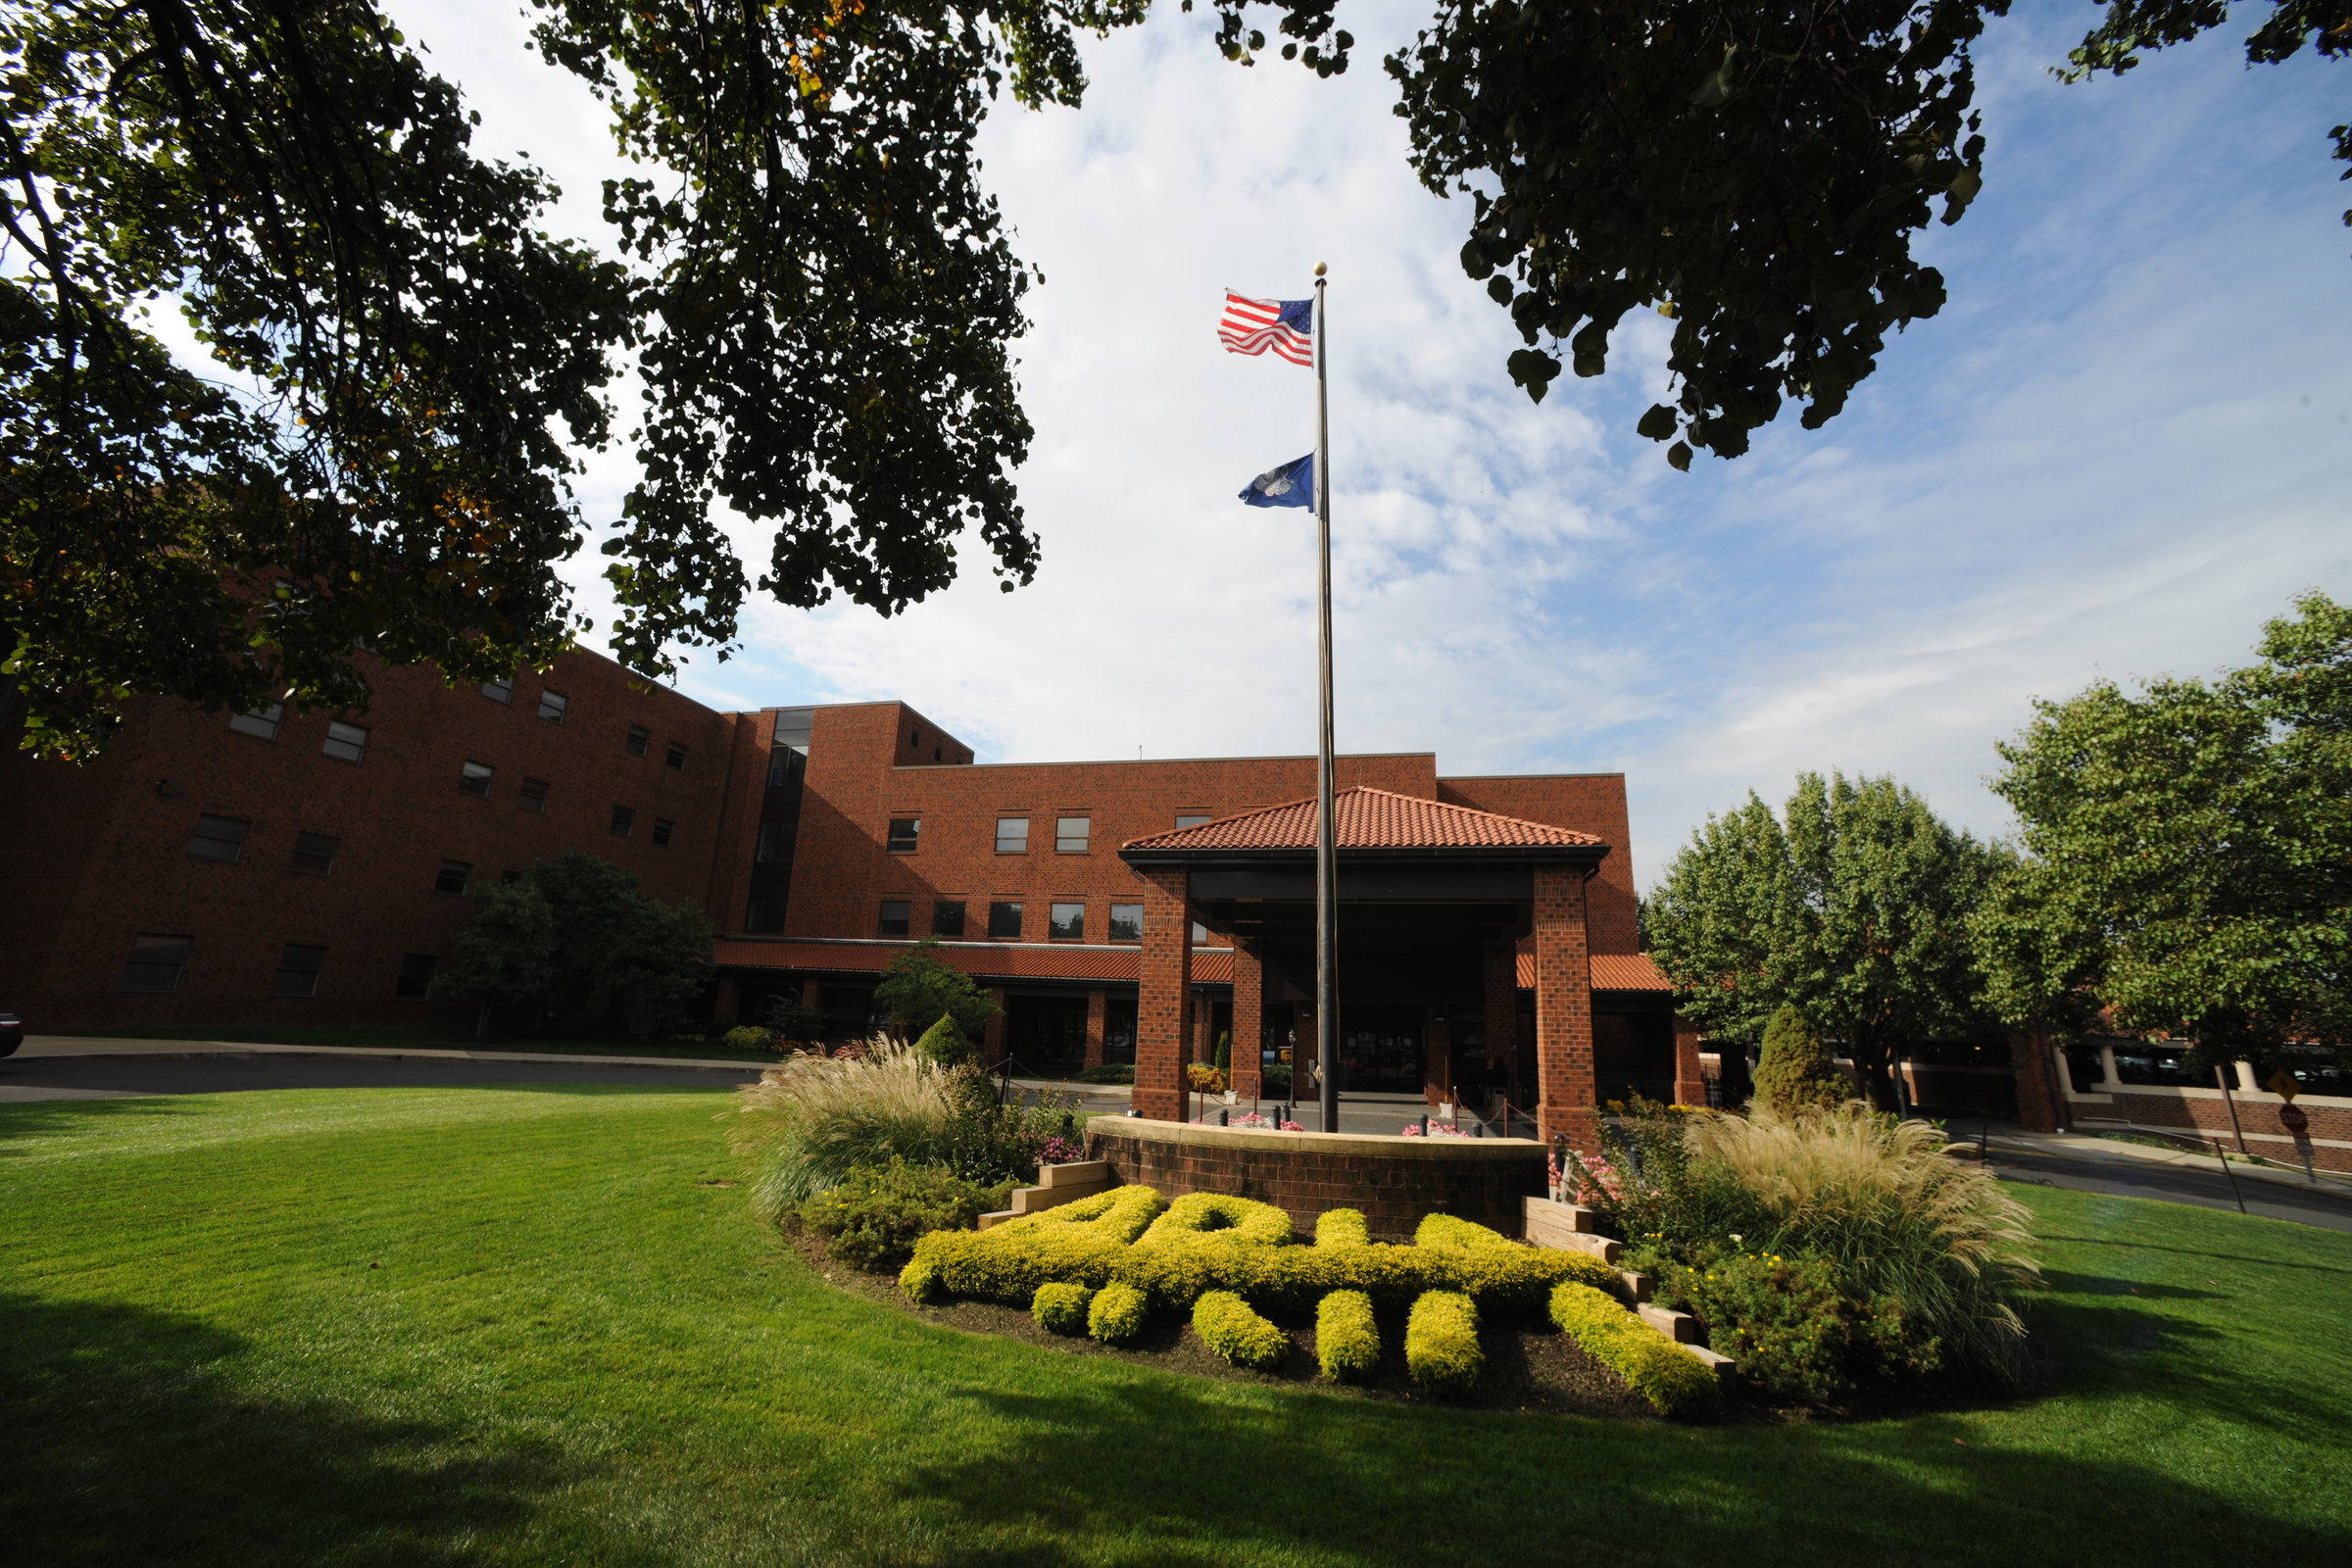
column 552, row 706
column 345, row 743
column 947, row 918
column 451, row 879
column 916, row 740
column 315, row 854
column 219, row 838
column 664, row 831
column 1070, row 834
column 1200, row 933
column 677, row 755
column 259, row 722
column 415, row 982
column 904, row 832
column 1191, row 818
column 474, row 779
column 935, row 754
column 500, row 691
column 534, row 796
column 1126, row 922
column 297, row 972
column 775, row 843
column 624, row 822
column 155, row 962
column 897, row 918
column 1066, row 922
column 765, row 914
column 1012, row 835
column 640, row 738
column 1004, row 922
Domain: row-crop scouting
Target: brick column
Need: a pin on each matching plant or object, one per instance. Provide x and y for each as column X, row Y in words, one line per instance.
column 1503, row 1010
column 1094, row 1028
column 992, row 1039
column 1436, row 1057
column 1566, row 1092
column 1163, row 1022
column 1249, row 1022
column 1689, row 1084
column 726, row 1003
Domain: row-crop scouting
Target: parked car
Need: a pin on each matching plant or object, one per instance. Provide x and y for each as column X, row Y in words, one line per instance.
column 12, row 1033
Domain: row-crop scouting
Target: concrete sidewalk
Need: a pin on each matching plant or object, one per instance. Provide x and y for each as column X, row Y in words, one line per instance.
column 37, row 1046
column 2091, row 1146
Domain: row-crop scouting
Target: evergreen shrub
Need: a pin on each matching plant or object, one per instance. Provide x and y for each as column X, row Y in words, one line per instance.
column 1346, row 1340
column 748, row 1037
column 1440, row 1343
column 1675, row 1382
column 1061, row 1308
column 1795, row 1069
column 1230, row 1327
column 878, row 1213
column 1117, row 1314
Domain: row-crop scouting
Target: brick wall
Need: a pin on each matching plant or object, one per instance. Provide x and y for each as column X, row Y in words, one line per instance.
column 1563, row 1008
column 2328, row 1130
column 1249, row 1024
column 1164, row 998
column 1588, row 803
column 1393, row 1181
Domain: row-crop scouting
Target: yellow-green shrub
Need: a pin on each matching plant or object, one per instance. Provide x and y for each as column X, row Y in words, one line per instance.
column 1239, row 1219
column 1342, row 1227
column 1061, row 1309
column 1673, row 1379
column 1440, row 1343
column 1347, row 1341
column 1226, row 1323
column 1077, row 1244
column 1117, row 1314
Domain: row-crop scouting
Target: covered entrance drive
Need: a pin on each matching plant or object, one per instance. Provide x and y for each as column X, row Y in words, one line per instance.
column 1434, row 903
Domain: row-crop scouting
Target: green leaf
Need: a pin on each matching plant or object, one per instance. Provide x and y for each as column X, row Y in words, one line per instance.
column 1678, row 456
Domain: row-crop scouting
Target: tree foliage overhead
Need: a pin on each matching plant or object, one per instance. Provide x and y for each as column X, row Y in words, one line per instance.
column 1854, row 909
column 2189, row 853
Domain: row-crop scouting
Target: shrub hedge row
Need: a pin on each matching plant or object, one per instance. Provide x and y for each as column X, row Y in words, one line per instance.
column 1440, row 1343
column 1673, row 1381
column 1346, row 1340
column 1237, row 1333
column 1118, row 1313
column 1061, row 1308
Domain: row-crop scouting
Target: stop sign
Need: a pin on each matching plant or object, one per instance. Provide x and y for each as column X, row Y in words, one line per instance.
column 2291, row 1118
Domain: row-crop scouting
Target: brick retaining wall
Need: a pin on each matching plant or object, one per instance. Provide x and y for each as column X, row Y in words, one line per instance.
column 1394, row 1181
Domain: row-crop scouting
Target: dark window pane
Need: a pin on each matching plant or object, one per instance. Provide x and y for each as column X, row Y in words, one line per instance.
column 1067, row 922
column 1070, row 834
column 499, row 691
column 1126, row 922
column 1191, row 819
column 415, row 982
column 1012, row 835
column 624, row 822
column 552, row 706
column 297, row 972
column 897, row 915
column 916, row 740
column 903, row 831
column 664, row 830
column 639, row 738
column 345, row 743
column 793, row 725
column 947, row 918
column 261, row 723
column 474, row 779
column 775, row 842
column 155, row 962
column 315, row 854
column 219, row 838
column 765, row 914
column 533, row 798
column 935, row 754
column 1004, row 922
column 677, row 755
column 451, row 879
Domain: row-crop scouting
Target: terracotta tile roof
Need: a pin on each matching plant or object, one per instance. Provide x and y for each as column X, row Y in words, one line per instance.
column 1009, row 960
column 1367, row 818
column 1611, row 971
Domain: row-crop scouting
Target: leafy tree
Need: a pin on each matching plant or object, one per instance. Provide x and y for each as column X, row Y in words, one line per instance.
column 946, row 1043
column 793, row 1021
column 1795, row 1069
column 920, row 985
column 1854, row 909
column 578, row 924
column 2188, row 853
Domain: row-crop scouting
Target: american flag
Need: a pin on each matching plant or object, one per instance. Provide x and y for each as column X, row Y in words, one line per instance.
column 1252, row 327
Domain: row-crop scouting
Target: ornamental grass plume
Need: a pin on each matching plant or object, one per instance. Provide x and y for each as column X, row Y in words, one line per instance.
column 1898, row 1217
column 807, row 1122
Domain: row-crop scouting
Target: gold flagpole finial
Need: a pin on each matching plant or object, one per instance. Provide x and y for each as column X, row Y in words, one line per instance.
column 1318, row 269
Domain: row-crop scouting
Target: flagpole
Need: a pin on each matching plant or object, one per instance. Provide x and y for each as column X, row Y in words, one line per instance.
column 1327, row 893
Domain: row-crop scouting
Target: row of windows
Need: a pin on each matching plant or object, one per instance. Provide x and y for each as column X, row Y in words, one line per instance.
column 349, row 742
column 1064, row 923
column 222, row 839
column 1071, row 834
column 158, row 961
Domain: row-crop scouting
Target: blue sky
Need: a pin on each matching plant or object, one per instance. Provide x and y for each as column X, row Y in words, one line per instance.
column 2124, row 442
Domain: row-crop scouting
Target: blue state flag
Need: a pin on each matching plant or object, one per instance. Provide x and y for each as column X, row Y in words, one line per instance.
column 1290, row 485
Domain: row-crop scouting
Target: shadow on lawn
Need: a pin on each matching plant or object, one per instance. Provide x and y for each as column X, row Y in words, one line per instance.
column 22, row 1119
column 122, row 1440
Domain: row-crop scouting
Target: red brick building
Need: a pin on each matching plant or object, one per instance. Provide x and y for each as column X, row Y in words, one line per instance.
column 284, row 869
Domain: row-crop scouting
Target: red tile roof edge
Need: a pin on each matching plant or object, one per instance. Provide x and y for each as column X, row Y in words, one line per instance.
column 1368, row 818
column 1611, row 971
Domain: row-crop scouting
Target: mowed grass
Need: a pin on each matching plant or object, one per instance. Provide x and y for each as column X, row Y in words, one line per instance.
column 400, row 1327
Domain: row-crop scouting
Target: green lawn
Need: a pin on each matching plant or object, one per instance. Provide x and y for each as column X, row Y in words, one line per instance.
column 516, row 1325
